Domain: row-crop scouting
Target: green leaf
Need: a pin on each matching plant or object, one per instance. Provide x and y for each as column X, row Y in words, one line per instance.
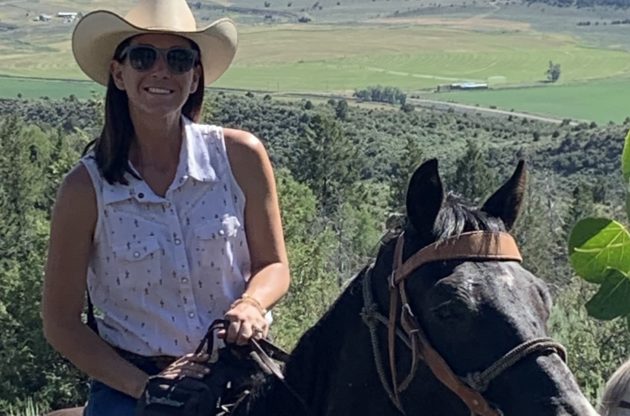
column 625, row 168
column 611, row 300
column 625, row 159
column 596, row 245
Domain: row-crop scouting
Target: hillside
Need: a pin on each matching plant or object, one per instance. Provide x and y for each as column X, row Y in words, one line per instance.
column 570, row 152
column 574, row 172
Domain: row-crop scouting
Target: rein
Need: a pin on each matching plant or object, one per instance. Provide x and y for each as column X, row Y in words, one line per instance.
column 477, row 245
column 263, row 353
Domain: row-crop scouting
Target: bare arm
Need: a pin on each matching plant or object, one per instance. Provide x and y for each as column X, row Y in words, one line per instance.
column 270, row 270
column 72, row 228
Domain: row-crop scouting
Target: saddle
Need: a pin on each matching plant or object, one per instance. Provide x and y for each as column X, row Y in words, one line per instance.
column 229, row 381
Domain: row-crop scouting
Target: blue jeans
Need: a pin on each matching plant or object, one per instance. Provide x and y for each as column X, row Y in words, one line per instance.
column 106, row 401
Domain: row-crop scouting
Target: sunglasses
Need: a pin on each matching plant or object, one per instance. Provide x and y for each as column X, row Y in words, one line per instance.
column 143, row 57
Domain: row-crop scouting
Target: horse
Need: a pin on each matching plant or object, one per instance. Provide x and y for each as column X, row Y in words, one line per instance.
column 445, row 321
column 615, row 400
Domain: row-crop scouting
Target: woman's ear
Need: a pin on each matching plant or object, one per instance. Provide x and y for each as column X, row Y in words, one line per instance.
column 116, row 71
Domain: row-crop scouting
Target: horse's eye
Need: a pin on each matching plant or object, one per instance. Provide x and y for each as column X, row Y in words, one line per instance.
column 451, row 310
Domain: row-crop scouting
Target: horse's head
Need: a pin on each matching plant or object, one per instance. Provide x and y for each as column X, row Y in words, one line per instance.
column 476, row 308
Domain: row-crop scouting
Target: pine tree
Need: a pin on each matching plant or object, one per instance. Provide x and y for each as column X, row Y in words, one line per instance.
column 410, row 160
column 473, row 179
column 327, row 161
column 581, row 205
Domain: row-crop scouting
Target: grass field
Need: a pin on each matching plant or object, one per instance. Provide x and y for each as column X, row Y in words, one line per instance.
column 334, row 58
column 600, row 101
column 36, row 88
column 415, row 50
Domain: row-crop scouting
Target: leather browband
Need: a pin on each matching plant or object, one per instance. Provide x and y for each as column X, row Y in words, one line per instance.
column 467, row 246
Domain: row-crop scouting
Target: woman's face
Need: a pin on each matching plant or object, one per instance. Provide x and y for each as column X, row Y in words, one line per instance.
column 158, row 90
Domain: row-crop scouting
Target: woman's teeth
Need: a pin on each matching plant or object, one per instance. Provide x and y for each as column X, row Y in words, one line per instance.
column 154, row 90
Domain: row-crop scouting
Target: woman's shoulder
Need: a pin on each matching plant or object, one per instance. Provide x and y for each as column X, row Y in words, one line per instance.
column 233, row 137
column 242, row 141
column 78, row 180
column 76, row 191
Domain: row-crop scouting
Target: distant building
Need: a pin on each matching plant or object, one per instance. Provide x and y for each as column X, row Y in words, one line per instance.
column 68, row 17
column 469, row 86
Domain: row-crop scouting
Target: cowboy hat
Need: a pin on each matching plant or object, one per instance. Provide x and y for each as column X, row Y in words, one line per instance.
column 98, row 33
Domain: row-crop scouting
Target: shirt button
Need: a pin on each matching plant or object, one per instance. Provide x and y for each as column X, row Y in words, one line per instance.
column 184, row 280
column 191, row 315
column 178, row 241
column 136, row 254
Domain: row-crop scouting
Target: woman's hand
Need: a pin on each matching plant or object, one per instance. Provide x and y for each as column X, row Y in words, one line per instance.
column 189, row 365
column 245, row 321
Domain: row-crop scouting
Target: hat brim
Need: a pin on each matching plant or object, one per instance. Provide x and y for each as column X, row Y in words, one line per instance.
column 98, row 34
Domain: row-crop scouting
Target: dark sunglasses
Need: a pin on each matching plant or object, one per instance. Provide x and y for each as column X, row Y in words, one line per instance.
column 143, row 57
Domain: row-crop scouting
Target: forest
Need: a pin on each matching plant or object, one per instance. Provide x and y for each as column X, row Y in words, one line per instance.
column 342, row 171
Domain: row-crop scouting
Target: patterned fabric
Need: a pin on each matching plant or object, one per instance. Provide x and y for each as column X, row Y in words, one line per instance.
column 162, row 269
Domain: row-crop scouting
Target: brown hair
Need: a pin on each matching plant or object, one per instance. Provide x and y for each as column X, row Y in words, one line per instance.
column 111, row 148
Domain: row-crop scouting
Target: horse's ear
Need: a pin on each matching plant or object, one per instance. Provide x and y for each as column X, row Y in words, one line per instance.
column 425, row 196
column 506, row 202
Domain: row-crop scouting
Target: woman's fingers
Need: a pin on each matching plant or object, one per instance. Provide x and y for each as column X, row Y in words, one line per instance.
column 245, row 322
column 190, row 365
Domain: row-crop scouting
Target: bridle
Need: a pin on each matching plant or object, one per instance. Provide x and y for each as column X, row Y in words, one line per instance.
column 479, row 246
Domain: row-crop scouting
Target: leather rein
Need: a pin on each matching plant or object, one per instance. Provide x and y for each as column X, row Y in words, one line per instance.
column 477, row 245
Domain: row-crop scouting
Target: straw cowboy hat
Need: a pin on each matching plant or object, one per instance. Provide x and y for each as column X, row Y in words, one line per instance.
column 98, row 33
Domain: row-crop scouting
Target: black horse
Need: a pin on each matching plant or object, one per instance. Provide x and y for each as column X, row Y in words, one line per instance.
column 458, row 328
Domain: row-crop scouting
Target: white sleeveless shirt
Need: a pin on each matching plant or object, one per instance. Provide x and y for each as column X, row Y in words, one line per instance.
column 163, row 268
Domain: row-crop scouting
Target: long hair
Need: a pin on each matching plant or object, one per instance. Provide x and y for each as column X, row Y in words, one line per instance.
column 111, row 147
column 615, row 389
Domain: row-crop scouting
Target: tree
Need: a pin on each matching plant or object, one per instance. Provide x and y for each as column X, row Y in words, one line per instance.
column 582, row 203
column 327, row 161
column 341, row 109
column 553, row 72
column 409, row 161
column 473, row 179
column 29, row 158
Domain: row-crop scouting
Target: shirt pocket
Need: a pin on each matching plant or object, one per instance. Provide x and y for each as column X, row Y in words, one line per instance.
column 139, row 264
column 214, row 240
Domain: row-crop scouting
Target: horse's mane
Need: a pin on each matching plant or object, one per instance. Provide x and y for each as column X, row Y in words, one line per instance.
column 457, row 217
column 615, row 389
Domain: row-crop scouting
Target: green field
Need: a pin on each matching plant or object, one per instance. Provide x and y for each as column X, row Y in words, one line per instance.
column 36, row 88
column 342, row 58
column 415, row 51
column 600, row 101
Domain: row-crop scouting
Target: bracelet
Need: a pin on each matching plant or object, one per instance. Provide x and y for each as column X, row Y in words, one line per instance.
column 252, row 301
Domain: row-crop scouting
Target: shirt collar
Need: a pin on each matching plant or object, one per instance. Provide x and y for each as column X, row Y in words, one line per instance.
column 194, row 162
column 196, row 153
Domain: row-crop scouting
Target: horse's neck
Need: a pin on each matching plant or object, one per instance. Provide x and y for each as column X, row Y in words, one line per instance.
column 317, row 360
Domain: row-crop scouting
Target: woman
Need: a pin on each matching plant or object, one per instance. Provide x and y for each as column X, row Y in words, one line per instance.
column 167, row 223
